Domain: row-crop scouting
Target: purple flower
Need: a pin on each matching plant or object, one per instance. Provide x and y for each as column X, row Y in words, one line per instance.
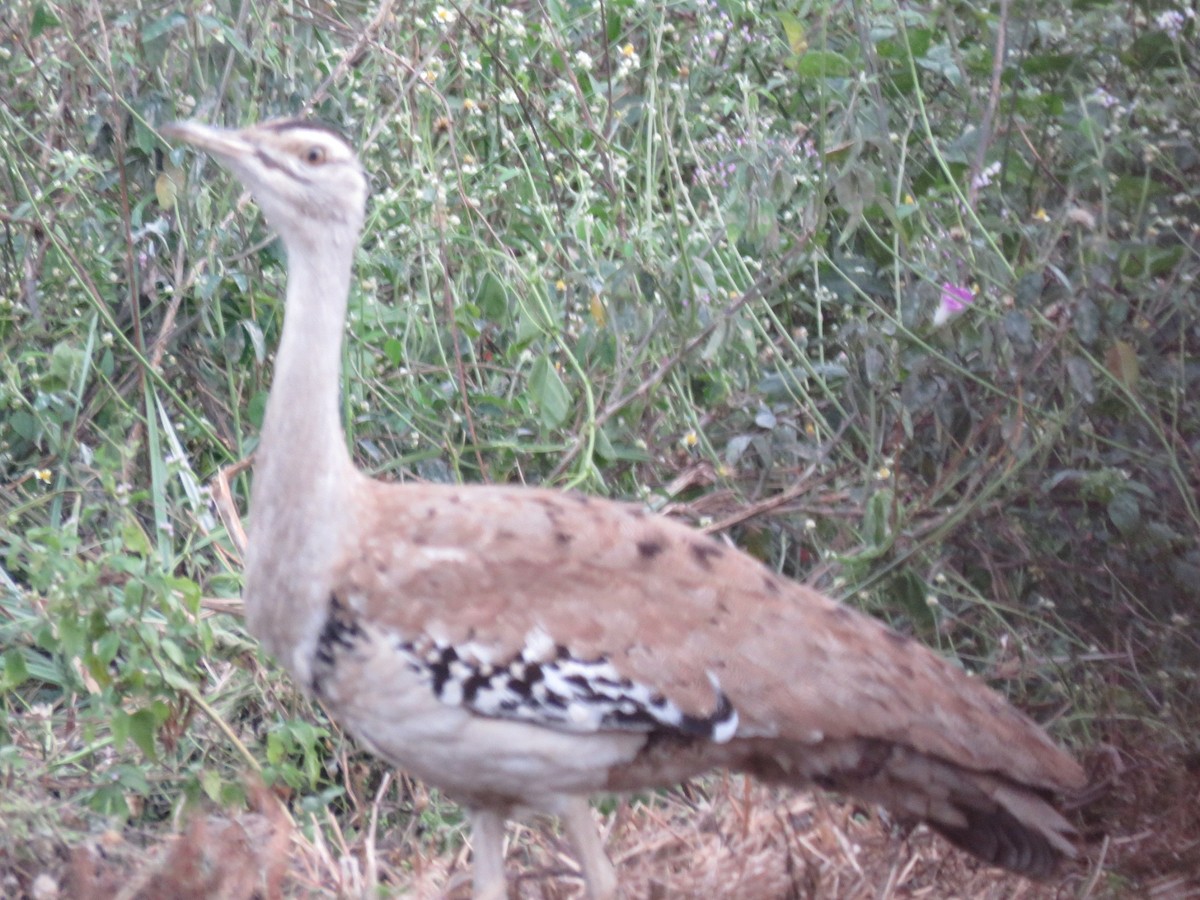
column 955, row 298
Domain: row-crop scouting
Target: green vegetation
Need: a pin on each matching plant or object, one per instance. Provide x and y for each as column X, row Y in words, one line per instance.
column 902, row 297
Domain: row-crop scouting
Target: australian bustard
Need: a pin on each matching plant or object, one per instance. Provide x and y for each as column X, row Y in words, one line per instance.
column 522, row 649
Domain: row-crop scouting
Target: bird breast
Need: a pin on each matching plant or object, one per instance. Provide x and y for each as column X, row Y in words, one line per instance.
column 522, row 732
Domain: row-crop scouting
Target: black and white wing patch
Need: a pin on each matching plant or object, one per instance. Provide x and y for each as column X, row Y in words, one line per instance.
column 557, row 690
column 543, row 685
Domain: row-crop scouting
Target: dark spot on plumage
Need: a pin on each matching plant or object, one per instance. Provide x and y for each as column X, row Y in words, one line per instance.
column 704, row 552
column 552, row 699
column 771, row 585
column 648, row 549
column 521, row 687
column 473, row 685
column 504, row 534
column 339, row 632
column 562, row 538
column 553, row 512
column 509, row 705
column 431, row 512
column 706, row 726
column 622, row 684
column 340, row 624
column 440, row 661
column 439, row 674
column 635, row 717
column 841, row 613
column 722, row 608
column 900, row 640
column 582, row 683
column 561, row 651
column 533, row 673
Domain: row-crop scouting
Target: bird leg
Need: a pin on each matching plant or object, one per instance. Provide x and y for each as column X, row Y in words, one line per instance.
column 599, row 876
column 487, row 847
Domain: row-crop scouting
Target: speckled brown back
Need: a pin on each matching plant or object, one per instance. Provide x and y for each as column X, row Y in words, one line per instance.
column 669, row 607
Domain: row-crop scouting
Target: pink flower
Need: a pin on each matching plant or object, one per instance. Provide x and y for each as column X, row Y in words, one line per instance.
column 955, row 298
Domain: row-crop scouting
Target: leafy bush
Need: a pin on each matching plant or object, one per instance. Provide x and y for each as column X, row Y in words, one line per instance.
column 903, row 296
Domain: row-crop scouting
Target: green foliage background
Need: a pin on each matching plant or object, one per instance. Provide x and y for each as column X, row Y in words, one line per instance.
column 691, row 252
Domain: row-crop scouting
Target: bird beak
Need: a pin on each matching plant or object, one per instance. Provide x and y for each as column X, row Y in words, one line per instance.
column 223, row 143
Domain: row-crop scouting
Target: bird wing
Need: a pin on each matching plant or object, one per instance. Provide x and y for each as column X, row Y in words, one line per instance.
column 504, row 574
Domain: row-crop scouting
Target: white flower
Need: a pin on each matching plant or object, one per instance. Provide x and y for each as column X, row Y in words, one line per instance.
column 1172, row 21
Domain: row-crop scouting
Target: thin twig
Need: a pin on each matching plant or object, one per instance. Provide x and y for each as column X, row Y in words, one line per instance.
column 993, row 102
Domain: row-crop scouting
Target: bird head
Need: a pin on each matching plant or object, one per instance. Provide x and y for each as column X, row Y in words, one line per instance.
column 305, row 176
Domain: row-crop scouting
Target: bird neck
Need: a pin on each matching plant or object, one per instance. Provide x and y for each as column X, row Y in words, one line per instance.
column 302, row 457
column 304, row 478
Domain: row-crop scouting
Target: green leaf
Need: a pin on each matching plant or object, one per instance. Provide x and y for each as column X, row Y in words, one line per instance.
column 210, row 783
column 107, row 647
column 1019, row 330
column 15, row 670
column 43, row 19
column 163, row 26
column 257, row 341
column 119, row 726
column 467, row 316
column 189, row 592
column 876, row 529
column 1125, row 512
column 793, row 30
column 604, row 448
column 549, row 394
column 1122, row 362
column 822, row 64
column 224, row 32
column 491, row 298
column 1047, row 64
column 257, row 408
column 173, row 652
column 941, row 60
column 109, row 800
column 394, row 351
column 24, row 425
column 135, row 539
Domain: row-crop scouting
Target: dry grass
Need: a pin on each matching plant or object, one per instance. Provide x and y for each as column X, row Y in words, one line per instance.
column 725, row 838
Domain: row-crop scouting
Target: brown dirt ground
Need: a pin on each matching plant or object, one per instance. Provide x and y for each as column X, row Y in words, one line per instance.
column 726, row 837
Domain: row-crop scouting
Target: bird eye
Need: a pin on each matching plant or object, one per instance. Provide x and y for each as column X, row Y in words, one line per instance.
column 314, row 155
